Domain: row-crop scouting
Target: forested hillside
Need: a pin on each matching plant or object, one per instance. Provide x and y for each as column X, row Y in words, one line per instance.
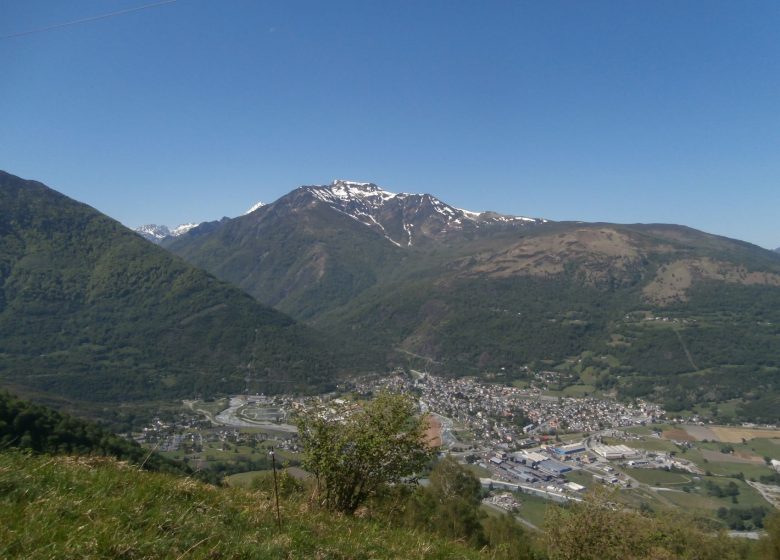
column 664, row 311
column 90, row 310
column 39, row 429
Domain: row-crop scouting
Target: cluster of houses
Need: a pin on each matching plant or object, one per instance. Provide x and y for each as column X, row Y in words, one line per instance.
column 500, row 414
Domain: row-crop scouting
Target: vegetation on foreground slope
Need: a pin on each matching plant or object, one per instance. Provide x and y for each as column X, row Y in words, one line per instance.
column 36, row 428
column 92, row 507
column 353, row 453
column 58, row 507
column 98, row 507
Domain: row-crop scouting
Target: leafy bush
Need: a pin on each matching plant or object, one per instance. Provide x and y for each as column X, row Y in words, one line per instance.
column 354, row 451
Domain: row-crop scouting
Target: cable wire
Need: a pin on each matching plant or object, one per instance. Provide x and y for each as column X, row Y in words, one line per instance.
column 87, row 19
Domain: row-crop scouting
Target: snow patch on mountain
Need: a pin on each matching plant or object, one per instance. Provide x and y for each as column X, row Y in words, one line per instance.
column 153, row 232
column 469, row 213
column 345, row 191
column 182, row 229
column 378, row 209
column 254, row 207
column 156, row 233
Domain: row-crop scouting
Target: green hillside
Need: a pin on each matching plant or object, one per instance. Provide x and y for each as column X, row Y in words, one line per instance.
column 69, row 507
column 39, row 429
column 95, row 507
column 89, row 310
column 301, row 261
column 88, row 504
column 665, row 311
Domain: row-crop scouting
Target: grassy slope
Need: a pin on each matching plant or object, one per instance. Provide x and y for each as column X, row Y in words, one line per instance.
column 66, row 507
column 40, row 429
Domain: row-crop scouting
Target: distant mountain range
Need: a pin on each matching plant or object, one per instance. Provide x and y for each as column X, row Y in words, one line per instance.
column 659, row 310
column 90, row 311
column 156, row 233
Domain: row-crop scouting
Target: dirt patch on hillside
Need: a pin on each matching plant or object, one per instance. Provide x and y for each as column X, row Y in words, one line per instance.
column 744, row 458
column 727, row 434
column 700, row 433
column 433, row 431
column 598, row 251
column 677, row 434
column 736, row 435
column 673, row 280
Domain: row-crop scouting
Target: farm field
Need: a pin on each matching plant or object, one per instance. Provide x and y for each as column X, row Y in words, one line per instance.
column 728, row 434
column 244, row 479
column 722, row 467
column 736, row 457
column 656, row 477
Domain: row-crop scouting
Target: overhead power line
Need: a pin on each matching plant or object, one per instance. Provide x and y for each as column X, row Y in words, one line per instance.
column 87, row 19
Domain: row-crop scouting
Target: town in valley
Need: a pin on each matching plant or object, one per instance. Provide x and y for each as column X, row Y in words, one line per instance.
column 529, row 446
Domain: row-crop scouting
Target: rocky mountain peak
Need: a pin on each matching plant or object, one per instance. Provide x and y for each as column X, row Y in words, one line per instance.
column 404, row 218
column 156, row 233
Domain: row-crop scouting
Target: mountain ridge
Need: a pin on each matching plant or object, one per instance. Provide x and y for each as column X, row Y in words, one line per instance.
column 474, row 298
column 156, row 233
column 90, row 310
column 400, row 213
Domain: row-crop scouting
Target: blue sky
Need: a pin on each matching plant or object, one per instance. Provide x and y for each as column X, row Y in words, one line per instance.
column 610, row 111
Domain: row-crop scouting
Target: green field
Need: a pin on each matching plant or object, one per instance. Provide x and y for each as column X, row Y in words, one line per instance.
column 762, row 447
column 244, row 479
column 533, row 509
column 656, row 477
column 688, row 491
column 649, row 443
column 580, row 477
column 639, row 430
column 478, row 471
column 579, row 390
column 213, row 406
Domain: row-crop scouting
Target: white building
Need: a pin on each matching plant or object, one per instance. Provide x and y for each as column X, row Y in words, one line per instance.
column 612, row 452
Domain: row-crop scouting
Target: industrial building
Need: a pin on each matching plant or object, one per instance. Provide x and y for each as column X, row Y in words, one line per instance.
column 553, row 467
column 569, row 450
column 614, row 451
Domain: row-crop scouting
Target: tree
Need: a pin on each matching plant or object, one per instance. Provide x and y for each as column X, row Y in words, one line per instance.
column 354, row 451
column 450, row 480
column 770, row 544
column 599, row 529
column 507, row 538
column 455, row 495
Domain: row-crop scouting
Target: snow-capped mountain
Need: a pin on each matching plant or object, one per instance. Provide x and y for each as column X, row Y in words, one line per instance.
column 404, row 218
column 153, row 232
column 156, row 233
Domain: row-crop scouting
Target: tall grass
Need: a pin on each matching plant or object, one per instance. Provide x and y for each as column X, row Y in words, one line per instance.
column 87, row 507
